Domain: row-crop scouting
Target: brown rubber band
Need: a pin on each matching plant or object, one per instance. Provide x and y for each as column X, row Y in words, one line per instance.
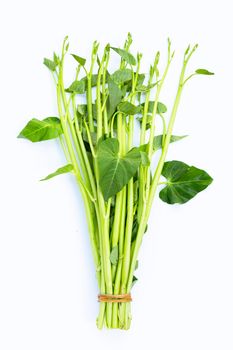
column 118, row 298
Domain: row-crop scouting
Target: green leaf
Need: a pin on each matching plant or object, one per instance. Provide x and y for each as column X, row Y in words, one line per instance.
column 51, row 65
column 203, row 71
column 93, row 137
column 128, row 85
column 63, row 170
column 79, row 59
column 115, row 96
column 125, row 55
column 55, row 59
column 141, row 78
column 145, row 159
column 161, row 108
column 128, row 108
column 114, row 255
column 94, row 78
column 78, row 87
column 115, row 171
column 121, row 76
column 41, row 130
column 157, row 142
column 183, row 182
column 82, row 109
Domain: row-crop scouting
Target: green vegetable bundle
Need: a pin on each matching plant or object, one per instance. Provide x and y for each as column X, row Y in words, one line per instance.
column 114, row 172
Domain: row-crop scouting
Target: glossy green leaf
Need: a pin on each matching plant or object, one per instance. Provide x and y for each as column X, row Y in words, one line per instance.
column 128, row 108
column 125, row 55
column 41, row 130
column 115, row 96
column 203, row 71
column 114, row 255
column 157, row 142
column 78, row 87
column 183, row 182
column 121, row 76
column 115, row 171
column 51, row 65
column 79, row 59
column 63, row 170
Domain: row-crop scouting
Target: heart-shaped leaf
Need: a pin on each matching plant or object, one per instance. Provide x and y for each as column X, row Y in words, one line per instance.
column 115, row 171
column 183, row 182
column 41, row 130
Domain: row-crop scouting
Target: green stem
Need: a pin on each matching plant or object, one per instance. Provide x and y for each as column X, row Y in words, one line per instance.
column 130, row 196
column 103, row 209
column 89, row 87
column 71, row 139
column 142, row 170
column 155, row 181
column 105, row 115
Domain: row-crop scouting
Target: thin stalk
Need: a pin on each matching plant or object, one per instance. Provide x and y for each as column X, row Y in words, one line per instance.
column 142, row 169
column 130, row 196
column 89, row 86
column 117, row 283
column 104, row 217
column 91, row 228
column 152, row 128
column 98, row 101
column 155, row 181
column 145, row 109
column 105, row 115
column 88, row 205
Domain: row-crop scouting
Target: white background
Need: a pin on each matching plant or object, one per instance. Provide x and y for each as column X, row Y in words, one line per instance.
column 184, row 297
